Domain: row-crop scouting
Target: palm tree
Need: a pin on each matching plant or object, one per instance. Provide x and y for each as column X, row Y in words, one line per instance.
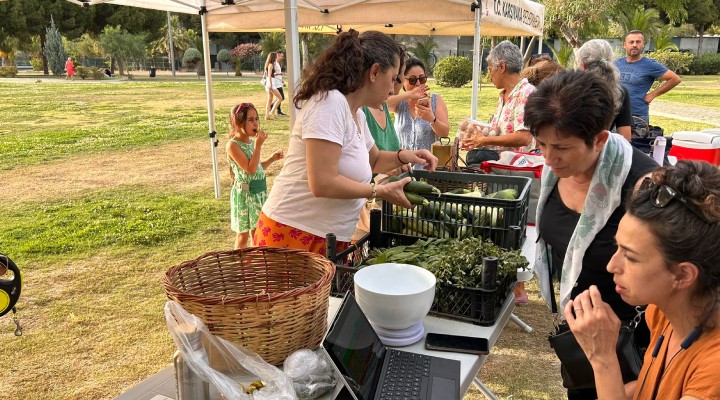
column 663, row 39
column 183, row 39
column 644, row 20
column 423, row 50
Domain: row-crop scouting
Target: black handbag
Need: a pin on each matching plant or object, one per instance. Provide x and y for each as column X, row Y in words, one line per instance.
column 576, row 371
column 478, row 156
column 644, row 134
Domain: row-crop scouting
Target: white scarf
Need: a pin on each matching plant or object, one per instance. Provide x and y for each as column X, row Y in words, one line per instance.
column 603, row 197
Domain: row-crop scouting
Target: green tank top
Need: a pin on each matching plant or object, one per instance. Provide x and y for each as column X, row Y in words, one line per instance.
column 385, row 139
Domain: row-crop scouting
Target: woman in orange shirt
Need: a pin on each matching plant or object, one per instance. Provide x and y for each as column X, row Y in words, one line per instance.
column 669, row 258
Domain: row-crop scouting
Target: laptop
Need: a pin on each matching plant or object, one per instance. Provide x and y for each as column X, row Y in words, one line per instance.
column 371, row 371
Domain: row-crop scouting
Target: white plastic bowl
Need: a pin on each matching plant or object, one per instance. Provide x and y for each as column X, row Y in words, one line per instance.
column 394, row 296
column 524, row 275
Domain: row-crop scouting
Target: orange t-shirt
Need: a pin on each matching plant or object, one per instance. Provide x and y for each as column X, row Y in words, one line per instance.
column 693, row 372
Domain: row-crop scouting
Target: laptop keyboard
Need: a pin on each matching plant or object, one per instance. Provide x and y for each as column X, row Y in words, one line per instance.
column 404, row 376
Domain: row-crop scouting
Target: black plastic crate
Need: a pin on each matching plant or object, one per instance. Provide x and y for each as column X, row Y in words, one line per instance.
column 475, row 305
column 498, row 217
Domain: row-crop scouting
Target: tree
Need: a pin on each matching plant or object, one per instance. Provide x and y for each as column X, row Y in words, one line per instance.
column 183, row 39
column 192, row 58
column 122, row 46
column 423, row 50
column 663, row 39
column 572, row 19
column 312, row 45
column 244, row 52
column 702, row 14
column 54, row 50
column 224, row 56
column 272, row 41
column 637, row 18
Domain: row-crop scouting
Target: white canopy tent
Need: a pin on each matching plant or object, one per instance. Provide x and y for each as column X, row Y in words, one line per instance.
column 412, row 17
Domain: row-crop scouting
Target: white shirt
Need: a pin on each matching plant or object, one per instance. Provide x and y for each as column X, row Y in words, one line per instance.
column 290, row 201
column 277, row 79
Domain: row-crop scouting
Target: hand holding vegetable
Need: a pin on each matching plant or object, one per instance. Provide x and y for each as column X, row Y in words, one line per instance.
column 394, row 193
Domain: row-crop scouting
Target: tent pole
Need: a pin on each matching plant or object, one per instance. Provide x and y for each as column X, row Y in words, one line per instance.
column 172, row 47
column 476, row 62
column 209, row 96
column 292, row 40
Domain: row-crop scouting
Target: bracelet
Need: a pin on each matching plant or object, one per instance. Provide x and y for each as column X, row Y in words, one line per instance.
column 398, row 157
column 374, row 191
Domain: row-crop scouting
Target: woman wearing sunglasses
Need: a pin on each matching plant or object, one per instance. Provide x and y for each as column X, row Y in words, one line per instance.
column 331, row 156
column 668, row 257
column 508, row 129
column 420, row 118
column 588, row 173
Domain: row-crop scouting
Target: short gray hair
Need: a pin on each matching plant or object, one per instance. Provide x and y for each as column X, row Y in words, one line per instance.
column 598, row 57
column 509, row 53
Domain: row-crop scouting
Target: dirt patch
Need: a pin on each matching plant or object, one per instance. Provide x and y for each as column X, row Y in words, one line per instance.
column 183, row 165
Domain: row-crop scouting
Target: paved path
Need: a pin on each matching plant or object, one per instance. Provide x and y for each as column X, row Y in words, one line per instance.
column 685, row 112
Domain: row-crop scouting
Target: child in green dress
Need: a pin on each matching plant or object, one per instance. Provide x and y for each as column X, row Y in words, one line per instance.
column 249, row 189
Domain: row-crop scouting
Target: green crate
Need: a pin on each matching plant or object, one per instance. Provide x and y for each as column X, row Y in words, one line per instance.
column 502, row 221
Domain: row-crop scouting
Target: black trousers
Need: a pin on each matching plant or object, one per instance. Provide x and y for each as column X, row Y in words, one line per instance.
column 282, row 93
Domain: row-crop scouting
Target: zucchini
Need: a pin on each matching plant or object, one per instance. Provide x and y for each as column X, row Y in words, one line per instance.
column 420, row 187
column 505, row 194
column 416, row 199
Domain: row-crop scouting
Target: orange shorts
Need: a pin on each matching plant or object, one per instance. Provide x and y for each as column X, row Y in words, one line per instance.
column 275, row 234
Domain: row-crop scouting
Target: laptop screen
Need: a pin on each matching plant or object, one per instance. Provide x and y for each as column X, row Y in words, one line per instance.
column 355, row 348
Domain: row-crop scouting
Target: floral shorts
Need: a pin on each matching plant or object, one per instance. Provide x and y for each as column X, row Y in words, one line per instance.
column 275, row 234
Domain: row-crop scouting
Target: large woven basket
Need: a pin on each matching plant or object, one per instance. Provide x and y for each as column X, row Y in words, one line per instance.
column 273, row 301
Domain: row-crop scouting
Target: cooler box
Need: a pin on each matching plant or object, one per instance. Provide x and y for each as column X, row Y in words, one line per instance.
column 697, row 145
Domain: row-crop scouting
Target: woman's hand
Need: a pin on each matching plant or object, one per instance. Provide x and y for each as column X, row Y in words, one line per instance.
column 419, row 92
column 424, row 111
column 422, row 157
column 393, row 192
column 595, row 326
column 472, row 142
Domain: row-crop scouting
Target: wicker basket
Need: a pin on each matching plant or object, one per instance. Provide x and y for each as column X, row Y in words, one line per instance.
column 273, row 301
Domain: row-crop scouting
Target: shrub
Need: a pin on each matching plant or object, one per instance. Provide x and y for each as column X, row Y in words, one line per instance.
column 191, row 57
column 244, row 53
column 679, row 62
column 224, row 56
column 453, row 71
column 706, row 64
column 36, row 64
column 8, row 72
column 90, row 72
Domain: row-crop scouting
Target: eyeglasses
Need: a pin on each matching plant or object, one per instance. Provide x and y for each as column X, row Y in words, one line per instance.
column 414, row 79
column 662, row 195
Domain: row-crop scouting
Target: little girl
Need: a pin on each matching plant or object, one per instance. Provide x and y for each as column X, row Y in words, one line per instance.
column 249, row 189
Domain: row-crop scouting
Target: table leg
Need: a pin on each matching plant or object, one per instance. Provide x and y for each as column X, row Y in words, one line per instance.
column 527, row 328
column 484, row 389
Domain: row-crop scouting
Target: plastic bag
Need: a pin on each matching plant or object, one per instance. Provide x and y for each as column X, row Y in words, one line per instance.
column 311, row 373
column 188, row 330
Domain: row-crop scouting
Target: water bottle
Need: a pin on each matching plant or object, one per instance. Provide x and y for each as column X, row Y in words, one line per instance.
column 658, row 152
column 189, row 385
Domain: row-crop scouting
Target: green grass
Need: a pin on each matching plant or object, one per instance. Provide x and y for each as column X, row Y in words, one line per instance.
column 93, row 260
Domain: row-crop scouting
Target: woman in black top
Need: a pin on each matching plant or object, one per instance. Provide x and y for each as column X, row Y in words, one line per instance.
column 588, row 171
column 597, row 56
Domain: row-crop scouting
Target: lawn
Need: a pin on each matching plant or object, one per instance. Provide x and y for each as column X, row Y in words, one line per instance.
column 106, row 185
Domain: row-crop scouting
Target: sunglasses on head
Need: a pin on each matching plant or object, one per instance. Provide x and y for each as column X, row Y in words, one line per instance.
column 662, row 195
column 414, row 79
column 243, row 106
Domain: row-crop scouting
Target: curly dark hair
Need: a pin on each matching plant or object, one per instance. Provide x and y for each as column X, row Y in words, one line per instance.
column 683, row 236
column 577, row 103
column 342, row 66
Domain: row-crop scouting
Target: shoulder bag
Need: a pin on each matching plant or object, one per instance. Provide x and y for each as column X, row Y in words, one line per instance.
column 576, row 371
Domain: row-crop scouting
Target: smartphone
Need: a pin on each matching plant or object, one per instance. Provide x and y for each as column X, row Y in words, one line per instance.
column 424, row 101
column 458, row 344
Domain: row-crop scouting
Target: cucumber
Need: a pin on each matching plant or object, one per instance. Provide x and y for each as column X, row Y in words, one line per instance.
column 505, row 194
column 420, row 187
column 416, row 199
